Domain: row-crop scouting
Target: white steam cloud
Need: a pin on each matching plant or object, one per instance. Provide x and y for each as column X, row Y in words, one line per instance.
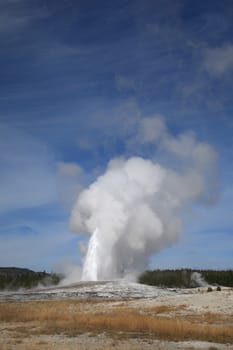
column 134, row 209
column 199, row 280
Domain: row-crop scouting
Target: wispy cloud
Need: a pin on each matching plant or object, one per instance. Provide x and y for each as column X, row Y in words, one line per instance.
column 69, row 181
column 123, row 83
column 27, row 174
column 18, row 15
column 26, row 249
column 218, row 61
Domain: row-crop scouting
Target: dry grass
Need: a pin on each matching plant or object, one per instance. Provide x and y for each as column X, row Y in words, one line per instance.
column 51, row 346
column 75, row 317
column 165, row 309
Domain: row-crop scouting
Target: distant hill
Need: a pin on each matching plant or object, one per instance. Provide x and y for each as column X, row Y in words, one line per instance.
column 15, row 271
column 13, row 278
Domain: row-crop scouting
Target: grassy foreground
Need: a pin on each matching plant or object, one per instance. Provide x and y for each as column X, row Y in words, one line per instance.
column 73, row 317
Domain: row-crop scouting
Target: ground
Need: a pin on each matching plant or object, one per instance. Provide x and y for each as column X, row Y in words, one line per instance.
column 164, row 319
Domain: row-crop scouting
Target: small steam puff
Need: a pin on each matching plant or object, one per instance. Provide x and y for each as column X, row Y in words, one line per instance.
column 133, row 210
column 199, row 280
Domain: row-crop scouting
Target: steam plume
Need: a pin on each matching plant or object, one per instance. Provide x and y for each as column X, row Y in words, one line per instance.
column 134, row 209
column 199, row 280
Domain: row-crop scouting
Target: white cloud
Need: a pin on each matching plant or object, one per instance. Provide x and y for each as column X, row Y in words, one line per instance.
column 219, row 60
column 153, row 131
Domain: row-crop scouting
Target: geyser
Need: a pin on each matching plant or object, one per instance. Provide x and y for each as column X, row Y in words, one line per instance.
column 90, row 268
column 134, row 209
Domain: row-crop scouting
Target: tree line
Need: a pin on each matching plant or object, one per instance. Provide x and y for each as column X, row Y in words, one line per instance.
column 187, row 278
column 12, row 278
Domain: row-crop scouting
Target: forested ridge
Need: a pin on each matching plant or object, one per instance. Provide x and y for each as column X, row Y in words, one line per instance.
column 13, row 278
column 187, row 278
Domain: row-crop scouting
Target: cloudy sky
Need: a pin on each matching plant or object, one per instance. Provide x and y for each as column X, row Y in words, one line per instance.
column 76, row 80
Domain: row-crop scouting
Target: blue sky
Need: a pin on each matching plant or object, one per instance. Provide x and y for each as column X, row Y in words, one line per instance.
column 75, row 77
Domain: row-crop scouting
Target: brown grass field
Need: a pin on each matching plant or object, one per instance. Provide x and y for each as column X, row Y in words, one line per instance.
column 34, row 324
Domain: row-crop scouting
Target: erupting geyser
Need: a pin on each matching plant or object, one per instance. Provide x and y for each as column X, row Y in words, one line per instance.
column 90, row 268
column 134, row 208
